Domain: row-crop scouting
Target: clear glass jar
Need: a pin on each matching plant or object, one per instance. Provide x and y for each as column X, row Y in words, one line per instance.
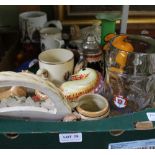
column 129, row 93
column 93, row 53
column 130, row 76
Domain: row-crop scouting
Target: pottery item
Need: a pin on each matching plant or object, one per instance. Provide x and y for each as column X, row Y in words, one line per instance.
column 18, row 100
column 82, row 117
column 58, row 63
column 83, row 82
column 50, row 43
column 51, row 37
column 52, row 31
column 93, row 106
column 31, row 22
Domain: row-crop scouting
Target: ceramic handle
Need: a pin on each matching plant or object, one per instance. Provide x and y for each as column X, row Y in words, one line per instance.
column 62, row 42
column 56, row 23
column 43, row 73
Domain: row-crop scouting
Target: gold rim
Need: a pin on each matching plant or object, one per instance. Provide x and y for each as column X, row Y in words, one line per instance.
column 45, row 62
column 96, row 113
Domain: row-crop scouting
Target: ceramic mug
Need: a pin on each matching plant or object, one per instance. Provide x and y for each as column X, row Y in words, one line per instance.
column 30, row 24
column 51, row 37
column 50, row 43
column 52, row 31
column 57, row 63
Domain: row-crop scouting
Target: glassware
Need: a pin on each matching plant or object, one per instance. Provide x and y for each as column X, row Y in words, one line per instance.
column 92, row 53
column 130, row 79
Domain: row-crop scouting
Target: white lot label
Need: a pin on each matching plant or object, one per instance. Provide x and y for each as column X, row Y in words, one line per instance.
column 151, row 116
column 70, row 137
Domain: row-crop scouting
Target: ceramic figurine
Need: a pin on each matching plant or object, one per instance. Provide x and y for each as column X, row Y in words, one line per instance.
column 85, row 81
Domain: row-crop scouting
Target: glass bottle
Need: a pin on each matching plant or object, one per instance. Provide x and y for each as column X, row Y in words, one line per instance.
column 93, row 53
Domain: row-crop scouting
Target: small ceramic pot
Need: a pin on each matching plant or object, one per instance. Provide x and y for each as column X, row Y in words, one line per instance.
column 51, row 37
column 50, row 43
column 93, row 106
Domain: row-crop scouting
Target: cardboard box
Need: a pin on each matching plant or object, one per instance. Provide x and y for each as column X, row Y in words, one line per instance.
column 81, row 134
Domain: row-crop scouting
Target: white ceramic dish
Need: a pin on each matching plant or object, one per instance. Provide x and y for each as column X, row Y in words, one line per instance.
column 59, row 107
column 28, row 112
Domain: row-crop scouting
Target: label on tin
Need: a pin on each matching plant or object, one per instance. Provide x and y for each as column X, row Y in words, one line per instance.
column 120, row 101
column 70, row 137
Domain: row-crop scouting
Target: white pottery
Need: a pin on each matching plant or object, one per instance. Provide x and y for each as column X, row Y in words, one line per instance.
column 52, row 31
column 57, row 102
column 58, row 63
column 31, row 22
column 92, row 106
column 50, row 43
column 51, row 37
